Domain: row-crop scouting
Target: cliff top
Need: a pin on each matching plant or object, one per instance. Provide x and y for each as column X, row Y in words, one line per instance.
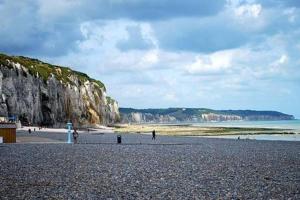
column 44, row 70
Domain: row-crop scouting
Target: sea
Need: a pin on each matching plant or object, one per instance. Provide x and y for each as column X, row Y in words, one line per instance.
column 293, row 125
column 282, row 124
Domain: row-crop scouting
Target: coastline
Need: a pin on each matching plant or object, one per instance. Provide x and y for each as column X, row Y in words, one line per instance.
column 191, row 130
column 212, row 130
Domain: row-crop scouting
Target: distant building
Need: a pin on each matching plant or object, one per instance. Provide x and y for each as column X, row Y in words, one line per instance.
column 12, row 118
column 3, row 119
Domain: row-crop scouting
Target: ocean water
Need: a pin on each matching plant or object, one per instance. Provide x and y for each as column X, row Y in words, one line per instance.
column 283, row 124
column 275, row 137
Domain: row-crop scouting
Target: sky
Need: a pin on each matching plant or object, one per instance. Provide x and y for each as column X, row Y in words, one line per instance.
column 223, row 54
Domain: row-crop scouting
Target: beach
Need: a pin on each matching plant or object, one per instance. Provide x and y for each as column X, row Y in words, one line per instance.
column 205, row 129
column 169, row 167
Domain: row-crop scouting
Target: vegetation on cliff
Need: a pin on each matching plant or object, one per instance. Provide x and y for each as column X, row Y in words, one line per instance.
column 41, row 93
column 44, row 70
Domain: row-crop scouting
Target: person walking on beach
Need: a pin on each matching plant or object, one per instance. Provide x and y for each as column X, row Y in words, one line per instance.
column 75, row 136
column 153, row 135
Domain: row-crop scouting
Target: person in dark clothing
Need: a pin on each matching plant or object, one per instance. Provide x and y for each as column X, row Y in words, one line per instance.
column 153, row 135
column 29, row 130
column 75, row 136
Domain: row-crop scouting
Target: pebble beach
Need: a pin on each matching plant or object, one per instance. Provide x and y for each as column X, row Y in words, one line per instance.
column 140, row 168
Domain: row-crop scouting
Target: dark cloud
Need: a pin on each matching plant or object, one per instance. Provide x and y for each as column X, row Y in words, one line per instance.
column 17, row 26
column 219, row 32
column 152, row 10
column 34, row 28
column 22, row 31
column 284, row 3
column 52, row 31
column 48, row 43
column 199, row 35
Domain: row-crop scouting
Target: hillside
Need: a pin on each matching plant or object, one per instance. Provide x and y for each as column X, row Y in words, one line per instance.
column 40, row 93
column 173, row 115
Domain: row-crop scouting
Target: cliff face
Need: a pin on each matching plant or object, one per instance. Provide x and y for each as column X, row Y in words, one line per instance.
column 189, row 115
column 40, row 93
column 220, row 117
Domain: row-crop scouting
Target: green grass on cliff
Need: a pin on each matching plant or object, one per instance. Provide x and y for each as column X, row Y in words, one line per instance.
column 44, row 70
column 110, row 100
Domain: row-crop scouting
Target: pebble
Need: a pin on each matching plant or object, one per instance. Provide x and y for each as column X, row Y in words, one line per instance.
column 170, row 168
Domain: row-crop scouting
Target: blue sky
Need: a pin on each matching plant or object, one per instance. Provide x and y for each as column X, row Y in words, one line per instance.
column 231, row 54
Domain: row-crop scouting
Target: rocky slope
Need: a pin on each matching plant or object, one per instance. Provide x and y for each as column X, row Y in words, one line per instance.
column 44, row 94
column 175, row 115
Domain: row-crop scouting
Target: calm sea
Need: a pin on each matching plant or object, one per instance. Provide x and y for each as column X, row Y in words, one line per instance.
column 284, row 124
column 279, row 137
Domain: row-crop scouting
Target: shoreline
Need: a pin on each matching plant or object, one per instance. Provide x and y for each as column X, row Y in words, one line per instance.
column 171, row 130
column 188, row 130
column 139, row 133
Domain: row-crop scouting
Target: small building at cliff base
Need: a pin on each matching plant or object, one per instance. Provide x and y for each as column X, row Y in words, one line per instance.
column 8, row 132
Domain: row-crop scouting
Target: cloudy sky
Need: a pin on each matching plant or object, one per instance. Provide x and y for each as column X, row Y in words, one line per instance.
column 223, row 54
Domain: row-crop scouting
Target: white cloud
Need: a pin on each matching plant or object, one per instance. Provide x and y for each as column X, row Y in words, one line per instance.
column 283, row 59
column 248, row 10
column 148, row 34
column 245, row 8
column 48, row 10
column 102, row 34
column 151, row 57
column 170, row 97
column 278, row 67
column 291, row 14
column 213, row 63
column 245, row 51
column 247, row 16
column 99, row 47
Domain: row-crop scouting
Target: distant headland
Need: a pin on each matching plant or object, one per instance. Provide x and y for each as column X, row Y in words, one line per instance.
column 175, row 115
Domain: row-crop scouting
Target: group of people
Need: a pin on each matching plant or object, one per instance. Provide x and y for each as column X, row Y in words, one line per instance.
column 40, row 128
column 29, row 130
column 76, row 135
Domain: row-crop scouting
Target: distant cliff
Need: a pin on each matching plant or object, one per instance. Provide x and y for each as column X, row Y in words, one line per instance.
column 45, row 94
column 174, row 115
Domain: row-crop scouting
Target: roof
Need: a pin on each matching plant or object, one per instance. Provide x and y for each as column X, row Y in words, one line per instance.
column 7, row 125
